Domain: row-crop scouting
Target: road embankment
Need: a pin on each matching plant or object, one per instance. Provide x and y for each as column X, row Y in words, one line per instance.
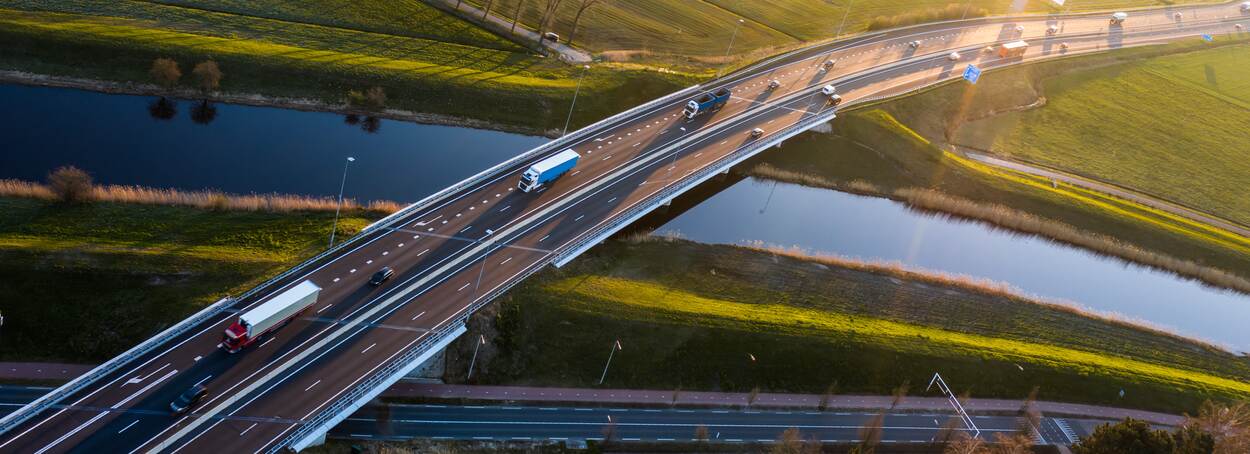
column 692, row 316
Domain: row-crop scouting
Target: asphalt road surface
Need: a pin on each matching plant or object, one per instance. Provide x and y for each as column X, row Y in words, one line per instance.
column 459, row 251
column 579, row 424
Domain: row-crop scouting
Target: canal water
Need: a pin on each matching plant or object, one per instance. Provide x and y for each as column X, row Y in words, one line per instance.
column 133, row 140
column 123, row 139
column 875, row 229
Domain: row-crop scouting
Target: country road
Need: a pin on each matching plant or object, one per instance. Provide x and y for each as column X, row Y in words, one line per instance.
column 574, row 424
column 1106, row 188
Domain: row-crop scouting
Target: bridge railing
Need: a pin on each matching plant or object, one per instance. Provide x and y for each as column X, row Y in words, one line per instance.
column 81, row 382
column 78, row 383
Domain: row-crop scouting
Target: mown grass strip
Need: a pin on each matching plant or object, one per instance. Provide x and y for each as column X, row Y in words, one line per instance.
column 646, row 301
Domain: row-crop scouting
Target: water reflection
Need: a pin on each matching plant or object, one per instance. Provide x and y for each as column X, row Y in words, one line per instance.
column 163, row 109
column 371, row 124
column 235, row 148
column 832, row 222
column 203, row 112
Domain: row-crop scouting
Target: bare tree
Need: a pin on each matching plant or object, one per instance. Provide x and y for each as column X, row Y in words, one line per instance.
column 209, row 75
column 1228, row 425
column 899, row 393
column 1012, row 444
column 582, row 6
column 609, row 432
column 375, row 97
column 165, row 72
column 870, row 434
column 486, row 9
column 700, row 433
column 788, row 443
column 1029, row 412
column 949, row 432
column 71, row 184
column 813, row 445
column 548, row 17
column 828, row 395
column 517, row 15
column 965, row 445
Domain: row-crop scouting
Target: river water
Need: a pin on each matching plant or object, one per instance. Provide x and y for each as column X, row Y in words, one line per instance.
column 125, row 140
column 243, row 149
column 831, row 222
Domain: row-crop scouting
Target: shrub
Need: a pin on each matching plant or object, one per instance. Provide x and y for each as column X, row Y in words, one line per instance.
column 71, row 184
column 165, row 72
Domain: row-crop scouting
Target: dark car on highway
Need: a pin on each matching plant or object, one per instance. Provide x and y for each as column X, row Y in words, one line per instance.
column 188, row 399
column 381, row 276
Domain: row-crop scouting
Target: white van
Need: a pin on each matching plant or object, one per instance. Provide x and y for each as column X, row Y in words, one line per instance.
column 828, row 90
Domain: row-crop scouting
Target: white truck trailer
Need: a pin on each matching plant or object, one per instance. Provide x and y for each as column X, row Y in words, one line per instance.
column 547, row 170
column 270, row 315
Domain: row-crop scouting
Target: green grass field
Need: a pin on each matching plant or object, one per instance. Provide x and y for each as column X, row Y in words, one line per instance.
column 100, row 277
column 703, row 28
column 689, row 314
column 319, row 51
column 885, row 146
column 1171, row 126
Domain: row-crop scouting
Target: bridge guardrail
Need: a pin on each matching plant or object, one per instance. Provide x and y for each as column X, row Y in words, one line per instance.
column 368, row 386
column 46, row 401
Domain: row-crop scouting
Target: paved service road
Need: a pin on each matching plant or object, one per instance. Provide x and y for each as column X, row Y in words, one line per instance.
column 562, row 423
column 459, row 251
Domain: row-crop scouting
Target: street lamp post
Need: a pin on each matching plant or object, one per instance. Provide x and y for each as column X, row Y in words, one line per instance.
column 585, row 69
column 615, row 346
column 731, row 46
column 481, row 341
column 846, row 13
column 339, row 208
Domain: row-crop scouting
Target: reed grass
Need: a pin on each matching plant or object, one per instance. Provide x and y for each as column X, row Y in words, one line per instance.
column 203, row 199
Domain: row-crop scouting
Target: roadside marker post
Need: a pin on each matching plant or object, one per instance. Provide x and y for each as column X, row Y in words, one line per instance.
column 972, row 74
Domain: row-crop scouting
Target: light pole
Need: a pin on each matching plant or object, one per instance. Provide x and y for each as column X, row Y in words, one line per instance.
column 339, row 208
column 585, row 69
column 846, row 13
column 615, row 346
column 731, row 46
column 481, row 340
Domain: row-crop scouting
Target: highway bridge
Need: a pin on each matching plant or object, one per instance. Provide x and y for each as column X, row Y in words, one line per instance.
column 456, row 250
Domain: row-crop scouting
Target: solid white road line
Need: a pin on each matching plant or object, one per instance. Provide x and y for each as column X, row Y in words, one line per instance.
column 103, row 413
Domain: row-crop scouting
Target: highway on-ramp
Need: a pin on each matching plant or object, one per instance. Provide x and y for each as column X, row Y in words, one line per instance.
column 458, row 251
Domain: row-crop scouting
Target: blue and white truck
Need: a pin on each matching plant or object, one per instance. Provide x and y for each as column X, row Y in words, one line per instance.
column 543, row 172
column 708, row 102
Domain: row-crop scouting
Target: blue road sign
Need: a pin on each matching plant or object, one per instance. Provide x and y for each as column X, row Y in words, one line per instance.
column 1207, row 37
column 972, row 73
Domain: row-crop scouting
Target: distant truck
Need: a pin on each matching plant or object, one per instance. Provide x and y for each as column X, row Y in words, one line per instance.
column 1119, row 18
column 549, row 169
column 708, row 102
column 270, row 315
column 1013, row 49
